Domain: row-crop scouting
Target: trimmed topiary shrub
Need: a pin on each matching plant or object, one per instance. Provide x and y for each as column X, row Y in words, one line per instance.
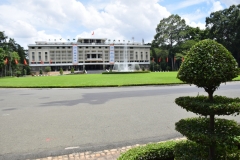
column 72, row 70
column 154, row 151
column 207, row 65
column 61, row 71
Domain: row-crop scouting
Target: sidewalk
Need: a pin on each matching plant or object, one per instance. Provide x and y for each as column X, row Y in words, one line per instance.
column 111, row 154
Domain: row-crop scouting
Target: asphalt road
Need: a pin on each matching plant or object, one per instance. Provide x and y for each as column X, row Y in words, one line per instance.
column 48, row 122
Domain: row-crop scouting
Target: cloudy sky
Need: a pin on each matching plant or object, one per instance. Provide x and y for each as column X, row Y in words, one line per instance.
column 28, row 21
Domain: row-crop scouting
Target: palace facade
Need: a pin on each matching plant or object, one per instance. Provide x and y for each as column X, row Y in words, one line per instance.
column 86, row 54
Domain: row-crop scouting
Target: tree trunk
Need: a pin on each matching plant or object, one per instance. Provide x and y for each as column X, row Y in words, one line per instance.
column 212, row 146
column 211, row 128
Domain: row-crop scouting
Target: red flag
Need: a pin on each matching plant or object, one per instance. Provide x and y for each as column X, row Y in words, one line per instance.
column 159, row 59
column 182, row 58
column 25, row 62
column 167, row 59
column 41, row 62
column 6, row 61
column 50, row 61
column 93, row 33
column 16, row 61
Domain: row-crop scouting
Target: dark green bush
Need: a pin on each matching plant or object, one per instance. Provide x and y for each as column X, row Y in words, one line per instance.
column 196, row 129
column 72, row 70
column 202, row 105
column 154, row 151
column 47, row 69
column 40, row 72
column 208, row 64
column 61, row 71
column 188, row 150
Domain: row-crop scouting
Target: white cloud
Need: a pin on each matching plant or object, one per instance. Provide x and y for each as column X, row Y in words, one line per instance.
column 216, row 6
column 121, row 19
column 28, row 21
column 228, row 3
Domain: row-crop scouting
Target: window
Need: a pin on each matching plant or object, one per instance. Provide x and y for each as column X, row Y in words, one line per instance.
column 39, row 47
column 46, row 56
column 39, row 56
column 33, row 56
column 33, row 47
column 57, row 47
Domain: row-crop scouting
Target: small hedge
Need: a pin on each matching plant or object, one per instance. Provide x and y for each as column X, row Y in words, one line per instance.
column 221, row 105
column 126, row 72
column 153, row 151
column 197, row 129
column 188, row 150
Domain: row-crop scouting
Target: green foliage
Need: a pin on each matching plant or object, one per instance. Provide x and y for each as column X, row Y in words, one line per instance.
column 224, row 26
column 197, row 129
column 24, row 72
column 207, row 65
column 201, row 105
column 72, row 70
column 47, row 69
column 188, row 150
column 170, row 30
column 143, row 68
column 154, row 151
column 61, row 71
column 40, row 72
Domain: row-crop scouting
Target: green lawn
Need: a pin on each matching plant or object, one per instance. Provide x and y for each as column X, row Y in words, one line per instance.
column 94, row 80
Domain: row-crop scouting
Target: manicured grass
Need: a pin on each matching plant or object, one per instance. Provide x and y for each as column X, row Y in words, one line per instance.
column 92, row 80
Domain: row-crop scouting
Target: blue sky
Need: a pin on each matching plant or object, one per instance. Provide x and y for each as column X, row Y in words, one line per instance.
column 28, row 21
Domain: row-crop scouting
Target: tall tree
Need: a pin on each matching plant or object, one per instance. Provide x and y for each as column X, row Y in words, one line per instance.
column 224, row 27
column 3, row 37
column 170, row 31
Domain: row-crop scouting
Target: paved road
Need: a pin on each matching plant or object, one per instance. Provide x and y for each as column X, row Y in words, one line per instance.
column 42, row 122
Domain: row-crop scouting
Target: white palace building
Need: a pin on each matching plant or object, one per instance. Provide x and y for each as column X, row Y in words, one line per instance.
column 86, row 54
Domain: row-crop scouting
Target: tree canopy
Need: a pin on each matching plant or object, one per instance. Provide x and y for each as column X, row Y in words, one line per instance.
column 224, row 27
column 207, row 65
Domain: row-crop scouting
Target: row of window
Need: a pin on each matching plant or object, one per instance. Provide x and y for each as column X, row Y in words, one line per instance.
column 64, row 47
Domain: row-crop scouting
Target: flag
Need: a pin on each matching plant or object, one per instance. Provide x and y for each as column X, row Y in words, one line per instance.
column 24, row 62
column 50, row 61
column 167, row 59
column 41, row 62
column 93, row 33
column 6, row 61
column 182, row 58
column 16, row 61
column 159, row 59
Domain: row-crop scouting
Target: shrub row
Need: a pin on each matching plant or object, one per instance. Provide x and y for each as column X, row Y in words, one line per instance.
column 180, row 150
column 188, row 150
column 153, row 151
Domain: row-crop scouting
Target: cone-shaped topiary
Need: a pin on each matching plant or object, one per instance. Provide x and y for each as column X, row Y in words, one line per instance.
column 207, row 65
